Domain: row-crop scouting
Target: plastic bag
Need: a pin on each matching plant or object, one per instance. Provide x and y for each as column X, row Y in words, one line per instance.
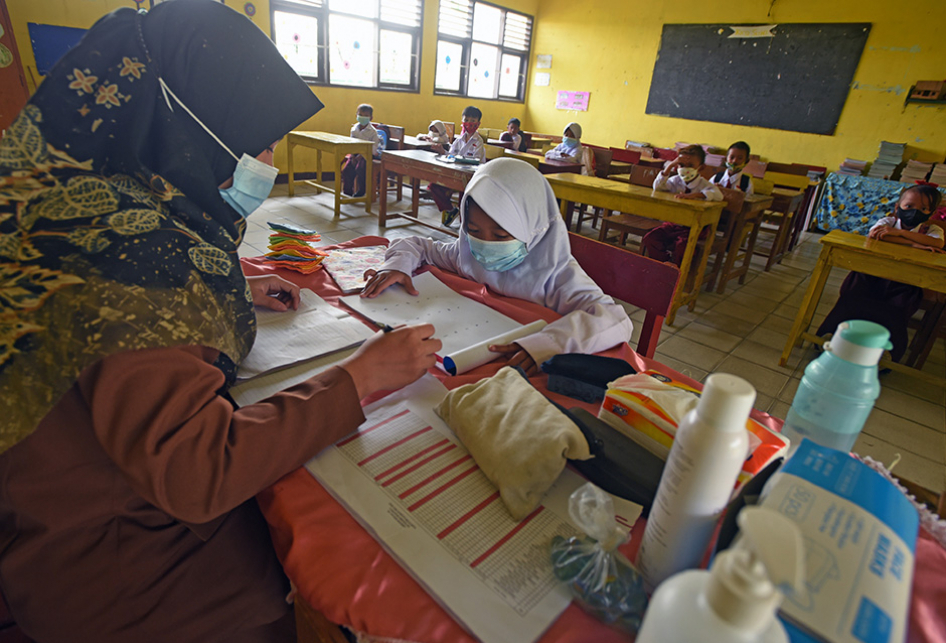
column 603, row 581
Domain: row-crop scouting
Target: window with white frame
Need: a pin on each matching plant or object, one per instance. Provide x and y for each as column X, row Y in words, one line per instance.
column 353, row 43
column 482, row 50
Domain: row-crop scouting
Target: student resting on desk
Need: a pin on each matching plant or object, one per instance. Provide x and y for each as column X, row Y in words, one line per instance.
column 681, row 177
column 127, row 475
column 436, row 133
column 468, row 145
column 887, row 301
column 513, row 240
column 513, row 135
column 353, row 167
column 569, row 150
column 733, row 177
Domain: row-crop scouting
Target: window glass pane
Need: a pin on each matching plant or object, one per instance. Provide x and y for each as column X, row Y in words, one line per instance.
column 297, row 39
column 352, row 51
column 396, row 51
column 518, row 32
column 509, row 76
column 456, row 17
column 484, row 61
column 315, row 4
column 366, row 8
column 449, row 58
column 402, row 12
column 487, row 23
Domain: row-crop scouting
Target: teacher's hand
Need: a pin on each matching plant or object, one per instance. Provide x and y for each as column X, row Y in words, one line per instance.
column 273, row 292
column 388, row 361
column 517, row 357
column 377, row 282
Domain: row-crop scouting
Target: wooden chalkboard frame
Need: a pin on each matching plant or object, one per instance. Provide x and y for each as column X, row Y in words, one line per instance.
column 798, row 79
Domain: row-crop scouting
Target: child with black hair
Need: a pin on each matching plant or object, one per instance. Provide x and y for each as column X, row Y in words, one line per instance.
column 884, row 301
column 681, row 177
column 353, row 167
column 733, row 177
column 513, row 134
column 470, row 145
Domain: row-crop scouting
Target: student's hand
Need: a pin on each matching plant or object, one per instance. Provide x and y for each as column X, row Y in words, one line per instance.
column 388, row 361
column 874, row 233
column 516, row 357
column 377, row 282
column 691, row 195
column 670, row 166
column 887, row 231
column 438, row 148
column 273, row 292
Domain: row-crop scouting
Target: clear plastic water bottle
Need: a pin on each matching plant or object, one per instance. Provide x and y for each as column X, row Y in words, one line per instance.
column 839, row 388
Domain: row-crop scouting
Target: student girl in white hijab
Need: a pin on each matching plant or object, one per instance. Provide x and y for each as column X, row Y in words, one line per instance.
column 513, row 239
column 436, row 133
column 569, row 149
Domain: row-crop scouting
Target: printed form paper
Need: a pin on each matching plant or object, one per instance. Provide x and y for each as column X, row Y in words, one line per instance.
column 413, row 485
column 316, row 329
column 466, row 327
column 251, row 391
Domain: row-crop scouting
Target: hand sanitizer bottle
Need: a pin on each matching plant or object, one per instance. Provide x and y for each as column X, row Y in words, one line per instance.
column 736, row 601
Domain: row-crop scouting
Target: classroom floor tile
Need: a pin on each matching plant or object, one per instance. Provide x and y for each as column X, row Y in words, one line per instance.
column 741, row 331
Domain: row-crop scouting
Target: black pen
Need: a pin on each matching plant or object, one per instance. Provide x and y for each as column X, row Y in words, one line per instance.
column 385, row 328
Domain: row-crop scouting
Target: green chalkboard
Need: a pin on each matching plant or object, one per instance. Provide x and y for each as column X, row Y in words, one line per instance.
column 795, row 79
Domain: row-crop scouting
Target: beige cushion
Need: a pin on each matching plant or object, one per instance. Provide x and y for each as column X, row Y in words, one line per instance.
column 517, row 437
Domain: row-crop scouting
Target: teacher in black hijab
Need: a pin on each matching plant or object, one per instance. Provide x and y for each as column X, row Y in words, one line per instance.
column 127, row 478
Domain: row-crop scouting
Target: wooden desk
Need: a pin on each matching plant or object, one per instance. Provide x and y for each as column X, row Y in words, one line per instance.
column 421, row 165
column 414, row 143
column 645, row 202
column 339, row 146
column 509, row 145
column 546, row 166
column 539, row 142
column 620, row 167
column 873, row 257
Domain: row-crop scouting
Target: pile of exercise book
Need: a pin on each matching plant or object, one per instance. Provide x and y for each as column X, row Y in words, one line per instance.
column 289, row 248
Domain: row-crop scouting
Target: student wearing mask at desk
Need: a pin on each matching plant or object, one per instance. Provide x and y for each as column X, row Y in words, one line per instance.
column 733, row 177
column 127, row 508
column 513, row 239
column 468, row 145
column 569, row 150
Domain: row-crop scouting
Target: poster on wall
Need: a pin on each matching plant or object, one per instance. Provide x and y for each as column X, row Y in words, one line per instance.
column 542, row 79
column 577, row 101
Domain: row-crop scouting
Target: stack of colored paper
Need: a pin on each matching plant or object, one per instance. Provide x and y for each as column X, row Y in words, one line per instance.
column 289, row 248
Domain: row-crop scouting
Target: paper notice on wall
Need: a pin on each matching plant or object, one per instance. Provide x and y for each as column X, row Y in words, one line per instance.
column 543, row 79
column 577, row 101
column 543, row 61
column 749, row 31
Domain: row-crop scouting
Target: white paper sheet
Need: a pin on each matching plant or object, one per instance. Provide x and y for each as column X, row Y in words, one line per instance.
column 478, row 354
column 459, row 322
column 410, row 482
column 251, row 391
column 316, row 329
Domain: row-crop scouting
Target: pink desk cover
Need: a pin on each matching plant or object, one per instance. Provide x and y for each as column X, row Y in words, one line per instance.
column 342, row 572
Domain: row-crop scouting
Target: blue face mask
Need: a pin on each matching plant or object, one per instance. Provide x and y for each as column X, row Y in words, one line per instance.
column 498, row 256
column 252, row 182
column 569, row 141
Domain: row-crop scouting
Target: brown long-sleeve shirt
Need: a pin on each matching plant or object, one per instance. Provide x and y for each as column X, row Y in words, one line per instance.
column 129, row 513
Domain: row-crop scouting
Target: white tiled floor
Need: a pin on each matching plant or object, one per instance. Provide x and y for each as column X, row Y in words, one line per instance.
column 742, row 331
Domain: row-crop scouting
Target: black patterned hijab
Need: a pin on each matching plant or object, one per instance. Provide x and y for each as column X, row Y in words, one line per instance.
column 113, row 235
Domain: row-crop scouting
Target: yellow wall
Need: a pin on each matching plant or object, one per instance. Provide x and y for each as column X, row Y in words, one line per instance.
column 611, row 53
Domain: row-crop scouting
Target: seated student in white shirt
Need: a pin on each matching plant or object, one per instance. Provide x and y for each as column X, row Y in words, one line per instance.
column 436, row 133
column 681, row 177
column 733, row 177
column 569, row 150
column 513, row 135
column 353, row 167
column 468, row 144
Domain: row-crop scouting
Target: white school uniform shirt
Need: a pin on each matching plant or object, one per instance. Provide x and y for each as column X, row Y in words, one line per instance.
column 471, row 146
column 567, row 153
column 930, row 228
column 369, row 133
column 518, row 198
column 732, row 181
column 516, row 139
column 676, row 185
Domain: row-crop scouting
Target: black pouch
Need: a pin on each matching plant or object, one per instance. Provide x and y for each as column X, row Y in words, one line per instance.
column 584, row 377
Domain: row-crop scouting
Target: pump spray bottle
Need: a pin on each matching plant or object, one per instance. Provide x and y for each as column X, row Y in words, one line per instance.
column 736, row 601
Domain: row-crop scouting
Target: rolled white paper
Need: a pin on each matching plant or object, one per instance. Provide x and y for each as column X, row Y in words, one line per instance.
column 478, row 354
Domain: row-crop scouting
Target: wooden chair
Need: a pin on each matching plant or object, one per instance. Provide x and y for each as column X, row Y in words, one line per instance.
column 634, row 279
column 451, row 130
column 777, row 220
column 626, row 224
column 395, row 138
column 733, row 230
column 625, row 156
column 602, row 163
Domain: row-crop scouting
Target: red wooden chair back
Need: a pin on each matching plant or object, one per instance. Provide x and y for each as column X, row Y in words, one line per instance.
column 644, row 175
column 625, row 156
column 632, row 278
column 665, row 153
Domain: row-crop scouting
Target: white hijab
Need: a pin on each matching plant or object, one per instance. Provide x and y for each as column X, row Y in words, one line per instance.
column 438, row 127
column 517, row 197
column 575, row 128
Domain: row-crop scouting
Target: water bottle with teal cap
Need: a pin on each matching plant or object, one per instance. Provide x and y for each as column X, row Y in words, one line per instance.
column 839, row 388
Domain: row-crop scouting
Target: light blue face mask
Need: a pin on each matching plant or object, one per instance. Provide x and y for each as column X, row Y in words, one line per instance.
column 498, row 256
column 363, row 120
column 253, row 180
column 569, row 141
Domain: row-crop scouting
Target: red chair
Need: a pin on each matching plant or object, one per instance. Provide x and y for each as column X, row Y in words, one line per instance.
column 634, row 279
column 625, row 156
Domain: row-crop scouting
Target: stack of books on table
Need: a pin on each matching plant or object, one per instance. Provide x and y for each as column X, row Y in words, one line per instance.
column 938, row 175
column 915, row 171
column 889, row 158
column 853, row 167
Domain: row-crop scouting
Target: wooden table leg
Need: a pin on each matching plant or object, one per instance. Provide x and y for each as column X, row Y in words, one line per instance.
column 750, row 249
column 701, row 269
column 369, row 186
column 415, row 196
column 383, row 206
column 318, row 169
column 688, row 252
column 338, row 184
column 603, row 234
column 806, row 311
column 292, row 174
column 737, row 229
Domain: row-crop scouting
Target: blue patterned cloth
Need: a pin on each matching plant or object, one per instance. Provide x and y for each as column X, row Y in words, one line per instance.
column 855, row 203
